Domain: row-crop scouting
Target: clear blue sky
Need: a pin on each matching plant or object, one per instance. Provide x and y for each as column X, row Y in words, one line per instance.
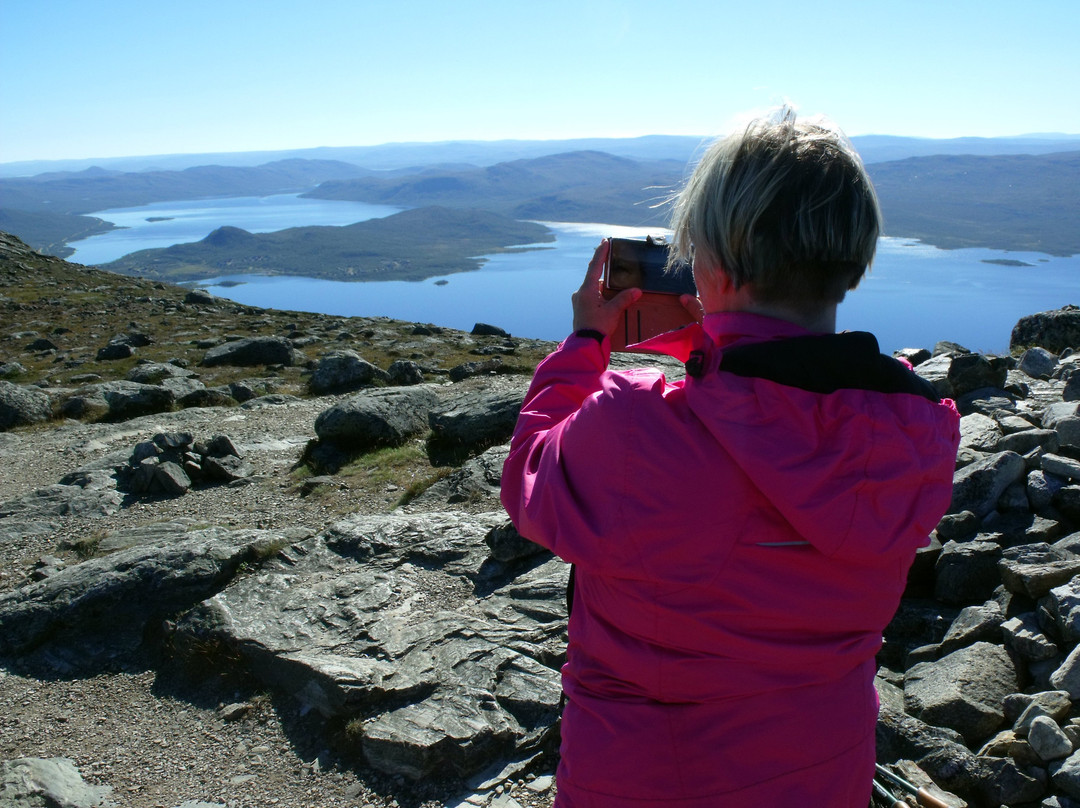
column 111, row 78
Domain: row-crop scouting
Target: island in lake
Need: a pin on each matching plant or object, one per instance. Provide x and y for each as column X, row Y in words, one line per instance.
column 411, row 245
column 1006, row 262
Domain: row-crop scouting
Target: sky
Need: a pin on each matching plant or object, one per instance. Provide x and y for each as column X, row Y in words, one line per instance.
column 111, row 78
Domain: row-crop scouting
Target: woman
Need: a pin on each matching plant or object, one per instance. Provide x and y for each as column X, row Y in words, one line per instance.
column 740, row 538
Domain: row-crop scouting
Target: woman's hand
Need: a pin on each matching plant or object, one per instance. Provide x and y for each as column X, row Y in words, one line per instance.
column 591, row 310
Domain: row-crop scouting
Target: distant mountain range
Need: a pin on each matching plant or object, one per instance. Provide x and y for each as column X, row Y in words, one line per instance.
column 1008, row 193
column 392, row 156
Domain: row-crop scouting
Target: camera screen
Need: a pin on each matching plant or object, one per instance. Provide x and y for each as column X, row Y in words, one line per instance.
column 642, row 264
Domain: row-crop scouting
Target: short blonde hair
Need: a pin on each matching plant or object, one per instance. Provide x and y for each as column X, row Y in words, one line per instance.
column 784, row 206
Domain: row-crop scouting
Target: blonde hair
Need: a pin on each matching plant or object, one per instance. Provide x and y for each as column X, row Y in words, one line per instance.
column 784, row 206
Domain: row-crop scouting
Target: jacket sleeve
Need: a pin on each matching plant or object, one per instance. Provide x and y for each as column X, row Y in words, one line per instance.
column 556, row 480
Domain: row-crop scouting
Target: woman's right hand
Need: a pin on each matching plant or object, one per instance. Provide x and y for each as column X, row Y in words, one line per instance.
column 591, row 310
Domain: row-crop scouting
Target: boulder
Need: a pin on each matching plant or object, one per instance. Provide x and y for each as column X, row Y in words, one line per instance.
column 1038, row 363
column 976, row 487
column 157, row 372
column 378, row 417
column 405, row 371
column 477, row 418
column 970, row 372
column 90, row 616
column 963, row 690
column 973, row 624
column 49, row 782
column 342, row 371
column 21, row 405
column 1053, row 330
column 254, row 351
column 1062, row 605
column 967, row 572
column 485, row 330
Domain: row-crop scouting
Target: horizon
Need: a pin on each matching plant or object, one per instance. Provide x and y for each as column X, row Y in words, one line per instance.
column 703, row 138
column 130, row 80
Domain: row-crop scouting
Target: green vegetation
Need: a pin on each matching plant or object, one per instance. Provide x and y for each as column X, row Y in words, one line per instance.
column 411, row 245
column 406, row 468
column 1016, row 202
column 49, row 232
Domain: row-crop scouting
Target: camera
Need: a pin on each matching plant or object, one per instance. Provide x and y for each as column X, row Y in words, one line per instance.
column 643, row 264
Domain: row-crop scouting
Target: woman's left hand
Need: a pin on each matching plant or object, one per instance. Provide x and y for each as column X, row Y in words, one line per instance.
column 591, row 310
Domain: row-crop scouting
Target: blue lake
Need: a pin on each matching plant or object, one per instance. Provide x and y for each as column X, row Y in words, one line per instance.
column 915, row 294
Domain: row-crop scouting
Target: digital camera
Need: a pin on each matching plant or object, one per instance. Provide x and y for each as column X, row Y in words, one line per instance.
column 643, row 264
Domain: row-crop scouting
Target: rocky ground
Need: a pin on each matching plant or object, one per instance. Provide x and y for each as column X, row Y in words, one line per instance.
column 155, row 734
column 255, row 558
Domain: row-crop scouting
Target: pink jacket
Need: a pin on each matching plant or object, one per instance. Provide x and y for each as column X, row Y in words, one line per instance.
column 740, row 545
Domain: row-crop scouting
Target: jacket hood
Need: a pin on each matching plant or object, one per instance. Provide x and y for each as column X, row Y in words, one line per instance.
column 833, row 433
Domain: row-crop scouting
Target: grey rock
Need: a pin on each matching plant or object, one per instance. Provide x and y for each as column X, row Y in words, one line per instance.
column 253, row 351
column 88, row 615
column 1066, row 775
column 11, row 369
column 476, row 483
column 963, row 690
column 1042, row 488
column 382, row 417
column 118, row 401
column 958, row 526
column 171, row 478
column 469, row 369
column 200, row 297
column 228, row 468
column 222, row 446
column 1023, row 442
column 941, row 753
column 1048, row 740
column 1023, row 635
column 1071, row 391
column 977, row 487
column 1067, row 676
column 1053, row 330
column 973, row 624
column 1062, row 604
column 48, row 783
column 1035, row 569
column 204, row 396
column 477, row 418
column 248, row 389
column 485, row 330
column 1054, row 704
column 980, row 432
column 90, row 494
column 362, row 636
column 970, row 372
column 1063, row 418
column 157, row 372
column 344, row 370
column 21, row 405
column 1038, row 363
column 508, row 545
column 1063, row 467
column 404, row 372
column 115, row 350
column 936, row 371
column 967, row 572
